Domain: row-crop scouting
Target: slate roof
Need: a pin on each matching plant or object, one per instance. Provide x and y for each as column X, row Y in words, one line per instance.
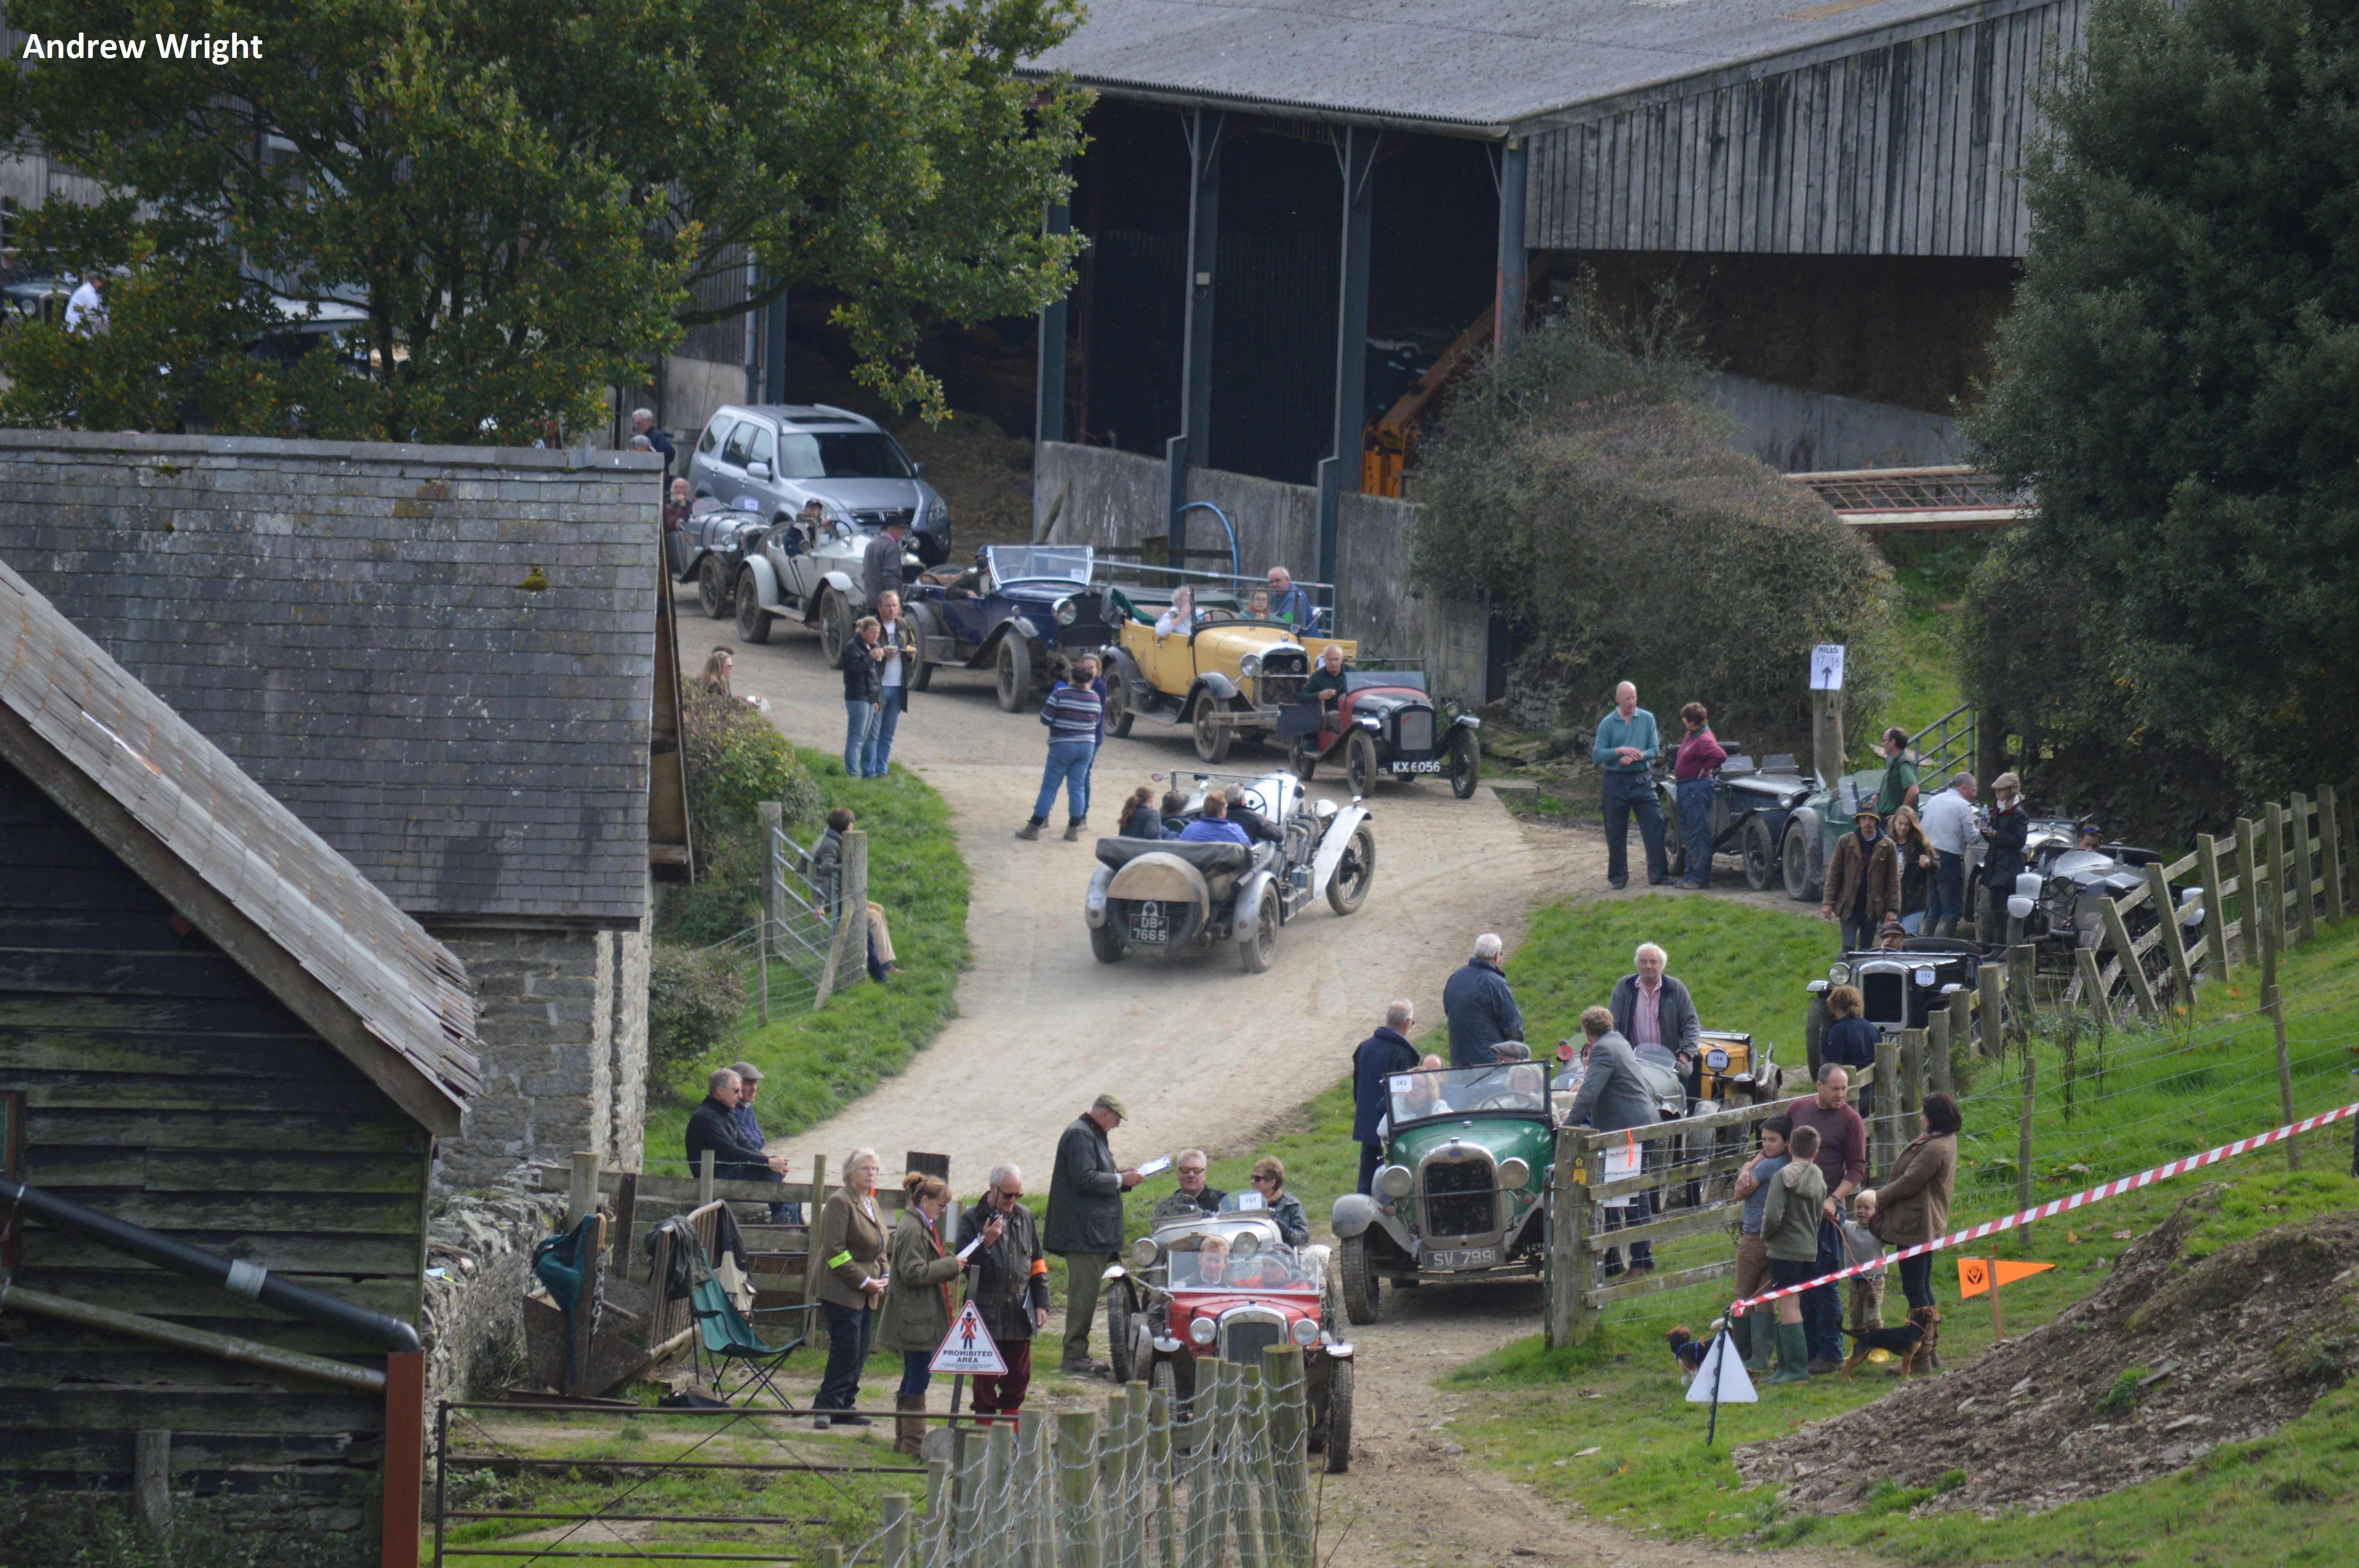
column 406, row 988
column 440, row 657
column 1476, row 65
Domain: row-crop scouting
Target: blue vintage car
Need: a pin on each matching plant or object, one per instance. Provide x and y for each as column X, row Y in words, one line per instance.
column 1017, row 606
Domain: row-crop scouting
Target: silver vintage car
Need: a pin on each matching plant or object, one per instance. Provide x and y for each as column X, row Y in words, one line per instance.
column 815, row 581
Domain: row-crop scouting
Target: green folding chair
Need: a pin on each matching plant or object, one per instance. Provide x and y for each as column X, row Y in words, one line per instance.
column 723, row 1336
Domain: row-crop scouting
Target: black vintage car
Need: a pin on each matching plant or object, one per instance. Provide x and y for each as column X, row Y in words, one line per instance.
column 1385, row 726
column 1754, row 808
column 1898, row 989
column 710, row 547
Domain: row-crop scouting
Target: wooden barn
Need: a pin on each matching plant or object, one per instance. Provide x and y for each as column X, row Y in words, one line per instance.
column 211, row 1028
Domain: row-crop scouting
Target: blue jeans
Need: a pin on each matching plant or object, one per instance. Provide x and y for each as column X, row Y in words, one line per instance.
column 879, row 760
column 859, row 721
column 849, row 1331
column 1695, row 828
column 1626, row 794
column 1946, row 901
column 1916, row 1279
column 1822, row 1305
column 915, row 1372
column 1069, row 764
column 1641, row 1209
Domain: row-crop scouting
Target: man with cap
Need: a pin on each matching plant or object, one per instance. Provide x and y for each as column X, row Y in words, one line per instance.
column 880, row 563
column 1863, row 881
column 749, row 1083
column 2004, row 837
column 1084, row 1223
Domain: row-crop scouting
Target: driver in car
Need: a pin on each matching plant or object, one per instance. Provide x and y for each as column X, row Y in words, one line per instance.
column 2093, row 836
column 1325, row 686
column 1215, row 1267
column 1255, row 823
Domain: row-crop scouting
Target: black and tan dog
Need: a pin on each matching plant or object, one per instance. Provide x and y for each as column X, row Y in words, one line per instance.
column 1914, row 1342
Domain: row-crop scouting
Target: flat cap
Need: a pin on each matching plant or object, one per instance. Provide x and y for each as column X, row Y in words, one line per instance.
column 747, row 1071
column 1107, row 1102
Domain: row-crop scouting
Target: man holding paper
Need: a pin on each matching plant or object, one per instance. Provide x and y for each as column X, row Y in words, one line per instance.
column 1085, row 1221
column 1614, row 1097
column 1007, row 1281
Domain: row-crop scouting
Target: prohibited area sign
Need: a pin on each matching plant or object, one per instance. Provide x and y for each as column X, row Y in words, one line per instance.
column 967, row 1348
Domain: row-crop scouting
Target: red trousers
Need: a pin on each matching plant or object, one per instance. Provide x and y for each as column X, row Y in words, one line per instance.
column 1004, row 1395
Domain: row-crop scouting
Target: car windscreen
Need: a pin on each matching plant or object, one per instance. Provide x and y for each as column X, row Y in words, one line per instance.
column 849, row 454
column 1363, row 680
column 1067, row 563
column 1452, row 1091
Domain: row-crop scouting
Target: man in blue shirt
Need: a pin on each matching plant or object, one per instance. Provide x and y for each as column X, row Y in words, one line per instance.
column 1287, row 602
column 1626, row 743
column 749, row 1084
column 1214, row 827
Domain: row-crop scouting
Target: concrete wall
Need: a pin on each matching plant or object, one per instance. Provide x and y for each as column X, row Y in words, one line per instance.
column 1104, row 497
column 1796, row 431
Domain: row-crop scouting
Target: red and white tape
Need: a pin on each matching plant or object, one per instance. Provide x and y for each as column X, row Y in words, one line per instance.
column 2063, row 1205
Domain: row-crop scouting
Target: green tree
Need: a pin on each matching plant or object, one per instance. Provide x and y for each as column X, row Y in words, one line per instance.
column 2181, row 381
column 524, row 194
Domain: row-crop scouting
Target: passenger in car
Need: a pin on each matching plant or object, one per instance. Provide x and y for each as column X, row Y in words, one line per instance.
column 1214, row 827
column 1180, row 616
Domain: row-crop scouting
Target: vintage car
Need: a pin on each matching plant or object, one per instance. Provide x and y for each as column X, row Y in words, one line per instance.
column 818, row 582
column 1898, row 988
column 1017, row 605
column 1225, row 677
column 710, row 547
column 1467, row 1153
column 1751, row 805
column 1162, row 897
column 1385, row 726
column 1225, row 1287
column 2058, row 902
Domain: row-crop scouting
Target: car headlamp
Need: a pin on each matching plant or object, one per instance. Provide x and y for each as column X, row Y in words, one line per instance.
column 1514, row 1172
column 1067, row 611
column 1202, row 1331
column 1394, row 1181
column 1143, row 1252
column 2020, row 907
column 1250, row 665
column 1305, row 1332
column 2027, row 885
column 1840, row 974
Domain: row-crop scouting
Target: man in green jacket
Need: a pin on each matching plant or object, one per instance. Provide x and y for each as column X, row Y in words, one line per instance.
column 1085, row 1223
column 1899, row 774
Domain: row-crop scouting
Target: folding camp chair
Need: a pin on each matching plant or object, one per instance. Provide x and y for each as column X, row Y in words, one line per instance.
column 723, row 1335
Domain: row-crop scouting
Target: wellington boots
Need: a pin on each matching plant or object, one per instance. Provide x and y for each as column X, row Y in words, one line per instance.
column 1740, row 1337
column 1763, row 1356
column 909, row 1423
column 1793, row 1355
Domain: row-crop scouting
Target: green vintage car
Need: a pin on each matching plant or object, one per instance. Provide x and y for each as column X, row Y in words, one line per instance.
column 1467, row 1152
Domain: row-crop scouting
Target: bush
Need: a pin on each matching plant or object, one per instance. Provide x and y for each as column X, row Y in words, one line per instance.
column 694, row 1000
column 736, row 759
column 1603, row 508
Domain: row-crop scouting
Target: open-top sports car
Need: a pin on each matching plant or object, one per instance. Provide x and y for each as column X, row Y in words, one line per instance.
column 711, row 545
column 1224, row 677
column 1008, row 614
column 1161, row 896
column 816, row 581
column 1225, row 1287
column 1385, row 726
column 1459, row 1196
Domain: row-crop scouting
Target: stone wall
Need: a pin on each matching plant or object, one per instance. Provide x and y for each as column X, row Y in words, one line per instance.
column 1104, row 497
column 479, row 1266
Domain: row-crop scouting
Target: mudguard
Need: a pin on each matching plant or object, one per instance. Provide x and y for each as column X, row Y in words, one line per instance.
column 1332, row 845
column 1094, row 906
column 766, row 582
column 1248, row 904
column 1219, row 685
column 842, row 584
column 1023, row 623
column 1355, row 1212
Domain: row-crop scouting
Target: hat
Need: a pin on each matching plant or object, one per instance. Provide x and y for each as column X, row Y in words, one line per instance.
column 1868, row 814
column 747, row 1071
column 2007, row 781
column 1107, row 1102
column 1511, row 1051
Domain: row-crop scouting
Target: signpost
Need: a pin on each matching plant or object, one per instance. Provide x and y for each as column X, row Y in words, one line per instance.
column 967, row 1349
column 1826, row 713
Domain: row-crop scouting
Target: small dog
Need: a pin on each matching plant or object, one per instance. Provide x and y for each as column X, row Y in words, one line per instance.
column 1913, row 1342
column 1689, row 1351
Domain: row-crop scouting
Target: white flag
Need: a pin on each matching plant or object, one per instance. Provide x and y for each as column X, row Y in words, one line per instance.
column 1724, row 1368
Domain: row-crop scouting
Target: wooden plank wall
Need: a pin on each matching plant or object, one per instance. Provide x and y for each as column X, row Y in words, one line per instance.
column 165, row 1086
column 1904, row 149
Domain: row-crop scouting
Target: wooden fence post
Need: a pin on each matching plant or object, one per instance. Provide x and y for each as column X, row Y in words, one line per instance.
column 815, row 1321
column 828, row 1556
column 895, row 1516
column 771, row 814
column 1260, row 1469
column 1035, row 1497
column 1158, row 1456
column 585, row 1314
column 2216, row 906
column 2275, row 1007
column 2092, row 984
column 1912, row 1083
column 2250, row 901
column 1887, row 1107
column 581, row 1189
column 2022, row 977
column 2174, row 941
column 1571, row 1317
column 1290, row 1416
column 1937, row 1051
column 1077, row 1476
column 1962, row 1027
column 2304, row 868
column 2273, row 830
column 998, row 1530
column 2330, row 848
column 1116, row 1469
column 934, row 1535
column 704, row 1178
column 2117, row 933
column 1991, row 1035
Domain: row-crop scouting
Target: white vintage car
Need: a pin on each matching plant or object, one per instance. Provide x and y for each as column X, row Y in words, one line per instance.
column 816, row 581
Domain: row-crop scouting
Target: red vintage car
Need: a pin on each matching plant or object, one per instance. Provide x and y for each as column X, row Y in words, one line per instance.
column 1385, row 726
column 1225, row 1287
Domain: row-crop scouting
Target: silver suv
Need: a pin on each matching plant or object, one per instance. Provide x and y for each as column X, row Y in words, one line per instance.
column 774, row 457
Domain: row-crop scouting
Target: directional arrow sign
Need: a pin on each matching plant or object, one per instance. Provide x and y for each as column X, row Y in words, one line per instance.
column 967, row 1348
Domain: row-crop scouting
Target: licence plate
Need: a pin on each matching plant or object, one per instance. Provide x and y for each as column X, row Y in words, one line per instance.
column 1469, row 1258
column 1434, row 766
column 1147, row 923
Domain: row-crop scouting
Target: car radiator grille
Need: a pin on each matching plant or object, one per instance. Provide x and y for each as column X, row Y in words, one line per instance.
column 1885, row 994
column 880, row 517
column 1243, row 1339
column 1417, row 730
column 1459, row 1199
column 1277, row 688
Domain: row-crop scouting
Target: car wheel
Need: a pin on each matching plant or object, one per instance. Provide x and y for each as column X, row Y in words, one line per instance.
column 712, row 589
column 1165, row 1381
column 1675, row 840
column 1348, row 888
column 1118, row 715
column 922, row 676
column 1301, row 759
column 1814, row 1032
column 1363, row 1288
column 1798, row 863
column 1213, row 740
column 1360, row 764
column 1258, row 950
column 1012, row 674
column 834, row 625
column 753, row 621
column 1338, row 1446
column 1106, row 944
column 1117, row 1316
column 1465, row 763
column 1760, row 854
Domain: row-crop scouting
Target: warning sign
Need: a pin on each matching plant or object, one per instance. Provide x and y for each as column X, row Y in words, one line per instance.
column 967, row 1348
column 1974, row 1274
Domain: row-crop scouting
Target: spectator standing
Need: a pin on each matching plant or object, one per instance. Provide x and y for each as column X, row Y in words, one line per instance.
column 827, row 871
column 1918, row 865
column 1614, row 1097
column 677, row 508
column 1700, row 755
column 1899, row 787
column 2003, row 860
column 1913, row 1204
column 1214, row 827
column 1790, row 1234
column 1193, row 1197
column 749, row 1132
column 1863, row 881
column 916, row 1317
column 1374, row 1061
column 85, row 311
column 713, row 1125
column 1287, row 602
column 1007, row 1281
column 1860, row 1246
column 1074, row 712
column 863, row 693
column 1841, row 1152
column 1752, row 1252
column 851, row 1244
column 1654, row 1014
column 1626, row 743
column 1268, row 1179
column 1950, row 830
column 896, row 639
column 1480, row 1007
column 880, row 564
column 643, row 423
column 1085, row 1219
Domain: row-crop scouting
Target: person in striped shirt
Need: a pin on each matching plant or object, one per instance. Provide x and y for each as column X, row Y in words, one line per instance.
column 1074, row 712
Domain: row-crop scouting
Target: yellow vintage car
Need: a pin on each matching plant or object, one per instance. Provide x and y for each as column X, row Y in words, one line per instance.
column 1224, row 677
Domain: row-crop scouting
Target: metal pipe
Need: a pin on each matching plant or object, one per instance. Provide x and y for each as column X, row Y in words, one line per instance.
column 1232, row 528
column 235, row 1276
column 229, row 1347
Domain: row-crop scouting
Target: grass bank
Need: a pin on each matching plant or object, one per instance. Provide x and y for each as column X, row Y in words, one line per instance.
column 817, row 1062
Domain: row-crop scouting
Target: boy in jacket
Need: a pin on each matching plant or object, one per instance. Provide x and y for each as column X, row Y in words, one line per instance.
column 1789, row 1232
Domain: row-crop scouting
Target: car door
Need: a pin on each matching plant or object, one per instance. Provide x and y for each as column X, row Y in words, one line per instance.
column 967, row 608
column 762, row 467
column 729, row 468
column 707, row 475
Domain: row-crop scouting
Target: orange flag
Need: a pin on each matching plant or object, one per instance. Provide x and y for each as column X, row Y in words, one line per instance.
column 1974, row 1274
